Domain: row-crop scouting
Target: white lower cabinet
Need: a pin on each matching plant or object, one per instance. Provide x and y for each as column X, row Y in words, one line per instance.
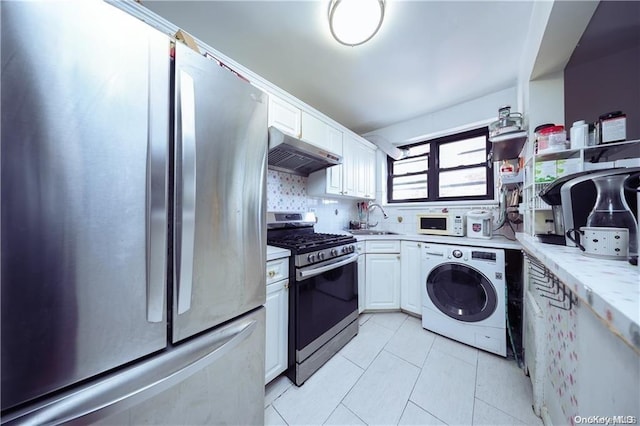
column 277, row 321
column 411, row 277
column 362, row 277
column 382, row 281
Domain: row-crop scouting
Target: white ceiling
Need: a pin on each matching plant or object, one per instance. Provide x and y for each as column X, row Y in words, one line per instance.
column 428, row 55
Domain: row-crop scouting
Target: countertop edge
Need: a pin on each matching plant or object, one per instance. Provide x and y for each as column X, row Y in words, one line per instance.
column 616, row 302
column 274, row 253
column 495, row 242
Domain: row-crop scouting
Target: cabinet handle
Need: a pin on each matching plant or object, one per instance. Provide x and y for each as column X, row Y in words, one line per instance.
column 272, row 274
column 419, row 245
column 286, row 285
column 398, row 257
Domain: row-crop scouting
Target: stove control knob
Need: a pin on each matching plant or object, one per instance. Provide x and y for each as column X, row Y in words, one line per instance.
column 311, row 258
column 334, row 252
column 352, row 249
column 320, row 256
column 457, row 254
column 344, row 249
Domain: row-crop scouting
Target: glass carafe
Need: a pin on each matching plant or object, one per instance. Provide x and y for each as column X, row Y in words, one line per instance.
column 611, row 209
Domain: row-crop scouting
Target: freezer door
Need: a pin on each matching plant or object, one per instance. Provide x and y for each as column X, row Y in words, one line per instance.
column 85, row 98
column 216, row 378
column 220, row 175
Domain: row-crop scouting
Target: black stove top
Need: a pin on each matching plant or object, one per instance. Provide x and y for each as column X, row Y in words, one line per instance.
column 294, row 231
column 308, row 241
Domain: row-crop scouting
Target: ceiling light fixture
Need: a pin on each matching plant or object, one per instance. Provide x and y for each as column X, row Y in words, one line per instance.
column 353, row 22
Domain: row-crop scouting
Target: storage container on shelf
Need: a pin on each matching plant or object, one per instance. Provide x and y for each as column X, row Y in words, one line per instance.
column 550, row 139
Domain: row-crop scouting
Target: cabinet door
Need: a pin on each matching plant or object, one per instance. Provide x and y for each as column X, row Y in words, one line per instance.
column 284, row 116
column 335, row 173
column 361, row 179
column 277, row 307
column 382, row 281
column 410, row 277
column 369, row 173
column 314, row 131
column 334, row 137
column 362, row 167
column 350, row 166
column 362, row 274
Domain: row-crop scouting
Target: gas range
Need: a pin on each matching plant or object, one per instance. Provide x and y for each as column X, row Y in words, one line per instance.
column 323, row 290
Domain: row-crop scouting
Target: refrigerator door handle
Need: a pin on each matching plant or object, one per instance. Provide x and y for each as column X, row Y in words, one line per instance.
column 187, row 210
column 136, row 384
column 156, row 221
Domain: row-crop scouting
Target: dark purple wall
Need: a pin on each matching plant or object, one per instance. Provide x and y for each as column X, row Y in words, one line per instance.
column 603, row 74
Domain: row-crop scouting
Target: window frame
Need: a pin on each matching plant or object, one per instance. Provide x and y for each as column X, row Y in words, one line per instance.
column 433, row 170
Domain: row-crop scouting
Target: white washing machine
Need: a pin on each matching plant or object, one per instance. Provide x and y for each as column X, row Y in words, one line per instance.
column 463, row 295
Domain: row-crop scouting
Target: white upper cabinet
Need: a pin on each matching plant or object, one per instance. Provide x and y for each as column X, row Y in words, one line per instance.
column 351, row 163
column 334, row 175
column 314, row 130
column 321, row 134
column 284, row 116
column 366, row 172
column 354, row 178
column 334, row 140
column 360, row 179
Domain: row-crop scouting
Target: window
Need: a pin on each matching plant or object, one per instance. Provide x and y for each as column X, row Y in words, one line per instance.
column 451, row 168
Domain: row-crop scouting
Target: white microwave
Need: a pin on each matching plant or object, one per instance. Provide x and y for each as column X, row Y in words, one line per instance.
column 442, row 224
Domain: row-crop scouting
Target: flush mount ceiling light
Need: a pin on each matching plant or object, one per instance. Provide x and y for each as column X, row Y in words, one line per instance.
column 353, row 22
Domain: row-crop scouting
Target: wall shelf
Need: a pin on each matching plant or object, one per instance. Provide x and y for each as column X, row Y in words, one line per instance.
column 589, row 157
column 507, row 146
column 596, row 153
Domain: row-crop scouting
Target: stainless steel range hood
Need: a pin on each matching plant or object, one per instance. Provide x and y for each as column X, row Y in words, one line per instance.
column 291, row 155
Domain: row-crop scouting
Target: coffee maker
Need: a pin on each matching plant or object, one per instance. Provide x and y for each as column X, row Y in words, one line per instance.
column 572, row 198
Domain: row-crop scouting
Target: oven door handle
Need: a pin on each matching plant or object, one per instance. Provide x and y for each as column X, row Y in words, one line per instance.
column 304, row 274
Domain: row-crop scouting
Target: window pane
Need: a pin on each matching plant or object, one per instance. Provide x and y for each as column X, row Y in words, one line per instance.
column 419, row 150
column 410, row 165
column 466, row 182
column 463, row 153
column 410, row 187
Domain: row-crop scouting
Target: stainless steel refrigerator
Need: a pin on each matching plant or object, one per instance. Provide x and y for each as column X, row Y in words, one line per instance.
column 133, row 238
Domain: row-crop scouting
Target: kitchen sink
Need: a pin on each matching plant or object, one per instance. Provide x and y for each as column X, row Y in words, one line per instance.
column 371, row 232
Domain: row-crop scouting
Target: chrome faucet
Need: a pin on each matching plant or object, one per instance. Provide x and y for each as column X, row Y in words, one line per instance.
column 372, row 206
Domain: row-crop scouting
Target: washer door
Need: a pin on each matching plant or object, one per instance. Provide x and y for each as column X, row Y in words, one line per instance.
column 461, row 292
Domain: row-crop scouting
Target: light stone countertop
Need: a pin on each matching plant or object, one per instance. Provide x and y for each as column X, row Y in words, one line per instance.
column 497, row 241
column 276, row 253
column 611, row 288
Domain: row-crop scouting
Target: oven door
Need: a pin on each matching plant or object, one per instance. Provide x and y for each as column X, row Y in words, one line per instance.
column 326, row 301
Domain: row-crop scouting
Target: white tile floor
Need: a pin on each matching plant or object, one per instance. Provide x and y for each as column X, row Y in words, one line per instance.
column 395, row 372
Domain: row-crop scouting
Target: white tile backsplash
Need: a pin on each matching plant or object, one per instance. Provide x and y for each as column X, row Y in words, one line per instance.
column 404, row 220
column 288, row 192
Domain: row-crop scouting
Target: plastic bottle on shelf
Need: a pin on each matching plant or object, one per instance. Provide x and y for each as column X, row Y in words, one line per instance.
column 579, row 134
